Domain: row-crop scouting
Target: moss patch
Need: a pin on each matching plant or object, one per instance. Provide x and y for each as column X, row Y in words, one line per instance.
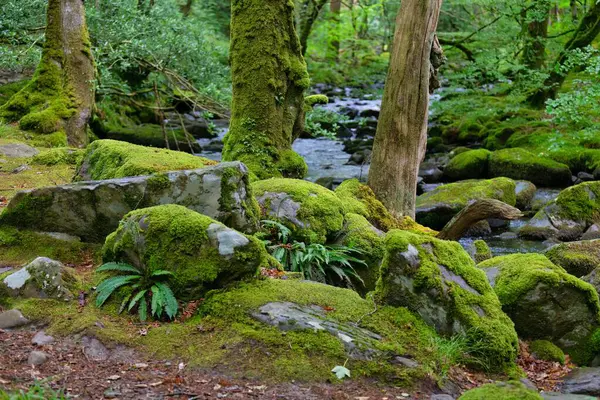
column 501, row 391
column 545, row 350
column 577, row 258
column 468, row 165
column 108, row 159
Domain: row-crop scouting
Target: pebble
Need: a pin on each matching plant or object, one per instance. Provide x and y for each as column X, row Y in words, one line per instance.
column 37, row 358
column 41, row 339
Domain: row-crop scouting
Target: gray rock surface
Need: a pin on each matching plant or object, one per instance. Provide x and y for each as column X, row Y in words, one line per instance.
column 94, row 350
column 593, row 232
column 563, row 396
column 41, row 339
column 583, row 381
column 91, row 210
column 293, row 317
column 17, row 150
column 37, row 358
column 42, row 278
column 12, row 319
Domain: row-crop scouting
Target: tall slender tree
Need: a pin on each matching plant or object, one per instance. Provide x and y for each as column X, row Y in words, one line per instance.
column 60, row 95
column 534, row 23
column 402, row 129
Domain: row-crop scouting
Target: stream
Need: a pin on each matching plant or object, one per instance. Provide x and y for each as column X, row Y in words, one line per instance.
column 326, row 158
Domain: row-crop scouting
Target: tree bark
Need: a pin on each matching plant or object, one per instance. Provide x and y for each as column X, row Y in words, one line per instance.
column 535, row 32
column 60, row 95
column 269, row 78
column 475, row 212
column 402, row 129
column 333, row 50
column 308, row 15
column 586, row 32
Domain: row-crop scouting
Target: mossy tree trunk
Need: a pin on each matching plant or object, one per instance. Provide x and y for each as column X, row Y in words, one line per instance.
column 586, row 32
column 309, row 13
column 335, row 9
column 402, row 129
column 59, row 97
column 535, row 32
column 269, row 78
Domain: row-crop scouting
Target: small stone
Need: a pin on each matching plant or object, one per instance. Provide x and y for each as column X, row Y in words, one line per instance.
column 407, row 362
column 140, row 365
column 20, row 168
column 12, row 319
column 114, row 377
column 441, row 397
column 37, row 358
column 94, row 349
column 41, row 339
column 111, row 393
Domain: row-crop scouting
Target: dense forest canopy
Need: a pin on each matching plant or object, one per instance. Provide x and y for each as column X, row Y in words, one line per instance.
column 300, row 199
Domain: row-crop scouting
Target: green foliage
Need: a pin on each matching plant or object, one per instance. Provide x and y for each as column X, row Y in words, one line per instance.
column 321, row 122
column 36, row 392
column 144, row 287
column 321, row 263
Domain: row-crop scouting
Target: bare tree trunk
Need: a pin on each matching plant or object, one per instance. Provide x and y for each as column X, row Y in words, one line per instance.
column 586, row 32
column 402, row 129
column 333, row 50
column 60, row 95
column 308, row 15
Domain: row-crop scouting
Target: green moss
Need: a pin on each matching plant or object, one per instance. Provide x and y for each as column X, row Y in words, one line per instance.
column 311, row 101
column 18, row 247
column 490, row 333
column 545, row 350
column 580, row 202
column 291, row 165
column 108, row 159
column 177, row 239
column 520, row 164
column 468, row 165
column 577, row 258
column 268, row 101
column 453, row 197
column 62, row 155
column 321, row 211
column 482, row 251
column 501, row 391
column 10, row 89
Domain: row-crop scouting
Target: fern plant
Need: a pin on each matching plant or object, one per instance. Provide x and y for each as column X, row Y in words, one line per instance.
column 323, row 263
column 146, row 288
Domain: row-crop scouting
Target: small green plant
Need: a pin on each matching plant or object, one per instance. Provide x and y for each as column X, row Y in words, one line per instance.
column 322, row 263
column 449, row 351
column 146, row 288
column 36, row 392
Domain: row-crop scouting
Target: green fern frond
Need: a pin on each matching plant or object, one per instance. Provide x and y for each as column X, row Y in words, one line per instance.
column 136, row 298
column 143, row 310
column 108, row 286
column 170, row 302
column 119, row 267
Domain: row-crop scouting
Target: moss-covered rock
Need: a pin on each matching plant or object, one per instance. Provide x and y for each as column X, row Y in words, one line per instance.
column 544, row 301
column 546, row 350
column 482, row 251
column 568, row 216
column 501, row 391
column 436, row 208
column 519, row 163
column 439, row 281
column 359, row 234
column 525, row 192
column 312, row 212
column 577, row 258
column 109, row 159
column 91, row 210
column 202, row 253
column 60, row 155
column 471, row 164
column 42, row 278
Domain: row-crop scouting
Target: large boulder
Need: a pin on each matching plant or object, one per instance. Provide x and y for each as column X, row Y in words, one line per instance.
column 577, row 258
column 518, row 163
column 567, row 217
column 42, row 278
column 525, row 192
column 439, row 281
column 92, row 210
column 501, row 391
column 436, row 208
column 471, row 164
column 111, row 159
column 202, row 253
column 312, row 212
column 544, row 301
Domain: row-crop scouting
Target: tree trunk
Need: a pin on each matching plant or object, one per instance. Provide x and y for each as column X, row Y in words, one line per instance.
column 333, row 50
column 186, row 8
column 60, row 95
column 535, row 32
column 585, row 34
column 402, row 129
column 308, row 15
column 269, row 78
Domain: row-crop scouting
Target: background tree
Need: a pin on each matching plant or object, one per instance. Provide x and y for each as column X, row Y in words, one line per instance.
column 535, row 32
column 401, row 134
column 269, row 78
column 60, row 95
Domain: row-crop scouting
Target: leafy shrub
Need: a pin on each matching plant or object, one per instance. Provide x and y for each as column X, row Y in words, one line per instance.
column 317, row 262
column 145, row 287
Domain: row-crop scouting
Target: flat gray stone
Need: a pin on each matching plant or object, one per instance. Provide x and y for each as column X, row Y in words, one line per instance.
column 227, row 239
column 17, row 150
column 37, row 358
column 12, row 319
column 94, row 349
column 41, row 339
column 583, row 381
column 92, row 210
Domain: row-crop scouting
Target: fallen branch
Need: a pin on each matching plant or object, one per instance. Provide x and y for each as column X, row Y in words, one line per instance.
column 475, row 212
